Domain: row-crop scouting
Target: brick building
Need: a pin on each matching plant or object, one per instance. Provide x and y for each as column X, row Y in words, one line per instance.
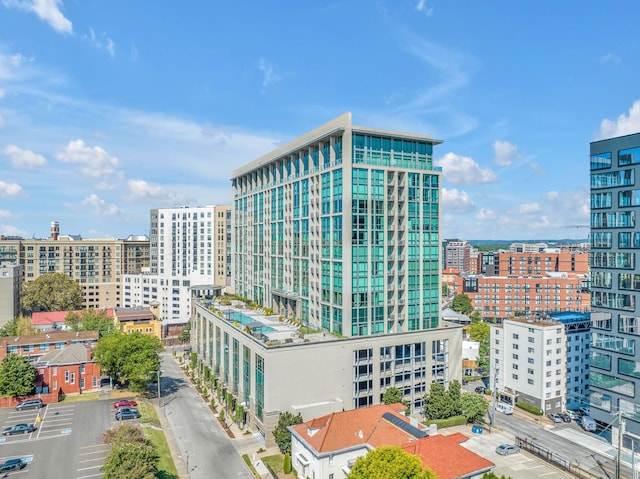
column 68, row 371
column 36, row 346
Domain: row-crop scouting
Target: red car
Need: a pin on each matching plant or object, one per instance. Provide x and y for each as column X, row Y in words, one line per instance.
column 124, row 403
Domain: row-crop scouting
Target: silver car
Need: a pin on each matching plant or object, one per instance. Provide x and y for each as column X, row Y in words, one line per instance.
column 507, row 449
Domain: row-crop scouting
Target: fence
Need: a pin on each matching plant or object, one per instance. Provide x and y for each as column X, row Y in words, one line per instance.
column 553, row 458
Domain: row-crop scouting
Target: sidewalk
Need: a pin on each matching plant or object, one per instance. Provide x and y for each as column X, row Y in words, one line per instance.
column 178, row 461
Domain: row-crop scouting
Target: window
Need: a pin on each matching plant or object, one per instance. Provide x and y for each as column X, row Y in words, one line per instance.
column 66, row 375
column 530, row 381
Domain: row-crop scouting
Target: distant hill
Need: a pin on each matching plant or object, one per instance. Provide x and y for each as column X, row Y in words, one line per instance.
column 505, row 244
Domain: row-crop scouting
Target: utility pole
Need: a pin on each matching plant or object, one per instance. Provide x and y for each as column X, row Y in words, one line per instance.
column 620, row 432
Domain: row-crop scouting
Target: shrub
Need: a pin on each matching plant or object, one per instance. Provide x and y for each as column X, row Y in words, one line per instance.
column 448, row 422
column 530, row 408
column 287, row 464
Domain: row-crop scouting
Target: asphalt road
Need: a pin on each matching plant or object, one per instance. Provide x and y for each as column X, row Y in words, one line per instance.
column 566, row 440
column 67, row 444
column 205, row 447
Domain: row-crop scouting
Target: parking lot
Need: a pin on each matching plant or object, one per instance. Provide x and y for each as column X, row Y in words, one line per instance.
column 67, row 442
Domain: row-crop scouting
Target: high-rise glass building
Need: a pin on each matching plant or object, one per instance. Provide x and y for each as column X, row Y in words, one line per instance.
column 615, row 281
column 341, row 230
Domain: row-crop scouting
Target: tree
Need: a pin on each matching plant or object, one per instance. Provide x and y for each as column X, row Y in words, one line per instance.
column 481, row 332
column 390, row 462
column 17, row 376
column 131, row 459
column 282, row 434
column 122, row 434
column 473, row 406
column 185, row 333
column 462, row 304
column 18, row 326
column 91, row 320
column 51, row 292
column 131, row 358
column 453, row 395
column 392, row 396
column 436, row 403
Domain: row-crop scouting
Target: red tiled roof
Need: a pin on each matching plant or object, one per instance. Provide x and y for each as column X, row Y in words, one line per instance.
column 447, row 458
column 44, row 318
column 48, row 338
column 354, row 427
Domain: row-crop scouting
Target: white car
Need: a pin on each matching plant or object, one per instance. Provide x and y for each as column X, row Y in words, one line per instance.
column 504, row 408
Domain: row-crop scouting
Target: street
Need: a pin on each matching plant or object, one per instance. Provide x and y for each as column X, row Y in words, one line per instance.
column 205, row 447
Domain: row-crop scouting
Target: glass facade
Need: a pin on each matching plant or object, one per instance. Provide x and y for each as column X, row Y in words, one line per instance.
column 615, row 360
column 367, row 267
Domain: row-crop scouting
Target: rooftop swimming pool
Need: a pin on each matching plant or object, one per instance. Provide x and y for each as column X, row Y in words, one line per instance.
column 243, row 319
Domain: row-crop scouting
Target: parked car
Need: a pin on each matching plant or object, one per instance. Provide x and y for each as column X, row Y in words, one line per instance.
column 128, row 409
column 555, row 417
column 479, row 389
column 507, row 449
column 30, row 404
column 124, row 403
column 18, row 429
column 12, row 465
column 588, row 424
column 504, row 408
column 584, row 411
column 123, row 414
column 566, row 417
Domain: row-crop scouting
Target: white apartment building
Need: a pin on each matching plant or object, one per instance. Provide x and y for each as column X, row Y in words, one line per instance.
column 10, row 283
column 139, row 290
column 528, row 358
column 188, row 247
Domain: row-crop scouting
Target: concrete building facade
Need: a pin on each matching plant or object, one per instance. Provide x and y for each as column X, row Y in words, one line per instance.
column 189, row 246
column 528, row 359
column 615, row 271
column 10, row 284
column 96, row 264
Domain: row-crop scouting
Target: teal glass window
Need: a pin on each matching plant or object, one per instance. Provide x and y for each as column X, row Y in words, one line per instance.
column 629, row 156
column 600, row 161
column 611, row 383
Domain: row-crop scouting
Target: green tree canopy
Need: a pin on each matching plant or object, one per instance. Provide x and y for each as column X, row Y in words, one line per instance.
column 91, row 320
column 473, row 406
column 453, row 395
column 481, row 332
column 392, row 396
column 131, row 459
column 282, row 434
column 51, row 292
column 437, row 404
column 185, row 333
column 17, row 376
column 462, row 304
column 131, row 358
column 18, row 326
column 390, row 462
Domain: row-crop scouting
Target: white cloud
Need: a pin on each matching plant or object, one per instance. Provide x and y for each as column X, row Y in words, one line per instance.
column 485, row 214
column 462, row 170
column 455, row 200
column 101, row 42
column 100, row 206
column 5, row 214
column 505, row 152
column 529, row 208
column 10, row 230
column 141, row 190
column 10, row 189
column 537, row 168
column 610, row 58
column 269, row 76
column 624, row 125
column 47, row 10
column 24, row 158
column 93, row 162
column 423, row 8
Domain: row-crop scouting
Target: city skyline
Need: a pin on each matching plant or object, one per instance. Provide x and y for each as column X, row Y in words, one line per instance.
column 110, row 110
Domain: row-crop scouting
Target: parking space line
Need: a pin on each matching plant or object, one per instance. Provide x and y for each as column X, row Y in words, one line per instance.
column 87, row 468
column 92, row 475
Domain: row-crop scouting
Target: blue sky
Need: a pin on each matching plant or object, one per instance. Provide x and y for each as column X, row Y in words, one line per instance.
column 108, row 109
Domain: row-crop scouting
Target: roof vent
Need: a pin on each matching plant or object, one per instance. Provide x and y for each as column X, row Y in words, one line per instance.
column 360, row 434
column 17, row 337
column 77, row 334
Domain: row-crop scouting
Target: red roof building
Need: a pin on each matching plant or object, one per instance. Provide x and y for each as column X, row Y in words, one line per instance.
column 330, row 445
column 46, row 320
column 35, row 346
column 68, row 371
